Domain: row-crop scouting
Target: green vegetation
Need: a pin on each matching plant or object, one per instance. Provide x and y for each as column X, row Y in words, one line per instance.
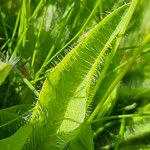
column 74, row 75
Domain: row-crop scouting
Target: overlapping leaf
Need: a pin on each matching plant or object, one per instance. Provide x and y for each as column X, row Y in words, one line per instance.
column 65, row 87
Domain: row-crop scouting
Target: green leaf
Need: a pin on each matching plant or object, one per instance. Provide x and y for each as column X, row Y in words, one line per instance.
column 84, row 140
column 17, row 140
column 11, row 120
column 114, row 83
column 4, row 71
column 62, row 104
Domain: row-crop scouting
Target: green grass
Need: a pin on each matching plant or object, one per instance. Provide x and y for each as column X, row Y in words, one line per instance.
column 74, row 75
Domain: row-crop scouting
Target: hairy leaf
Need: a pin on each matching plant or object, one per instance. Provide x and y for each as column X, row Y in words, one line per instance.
column 65, row 87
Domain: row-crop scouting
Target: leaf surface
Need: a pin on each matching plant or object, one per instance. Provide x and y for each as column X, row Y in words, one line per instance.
column 17, row 140
column 84, row 140
column 62, row 103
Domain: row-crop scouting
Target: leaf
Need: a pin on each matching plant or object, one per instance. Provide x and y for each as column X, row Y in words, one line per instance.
column 10, row 119
column 62, row 104
column 84, row 140
column 93, row 84
column 17, row 140
column 115, row 83
column 4, row 71
column 18, row 109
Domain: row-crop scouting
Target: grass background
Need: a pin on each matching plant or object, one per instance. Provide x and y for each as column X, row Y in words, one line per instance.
column 35, row 36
